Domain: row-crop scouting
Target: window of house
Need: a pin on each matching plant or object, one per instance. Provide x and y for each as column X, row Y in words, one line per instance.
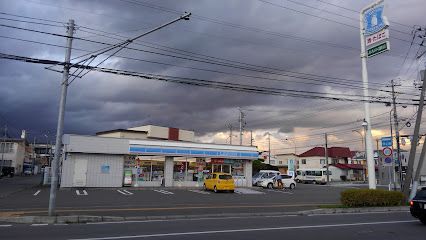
column 303, row 161
column 322, row 161
column 6, row 147
column 281, row 162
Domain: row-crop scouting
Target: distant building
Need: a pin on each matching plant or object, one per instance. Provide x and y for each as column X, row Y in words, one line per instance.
column 283, row 162
column 14, row 152
column 340, row 163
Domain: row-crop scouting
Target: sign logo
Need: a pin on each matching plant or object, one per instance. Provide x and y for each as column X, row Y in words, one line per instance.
column 377, row 37
column 376, row 50
column 373, row 19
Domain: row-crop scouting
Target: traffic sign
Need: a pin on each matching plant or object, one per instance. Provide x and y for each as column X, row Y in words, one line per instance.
column 387, row 161
column 386, row 141
column 387, row 151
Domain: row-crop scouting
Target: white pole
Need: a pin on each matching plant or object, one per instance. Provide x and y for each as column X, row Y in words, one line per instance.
column 368, row 136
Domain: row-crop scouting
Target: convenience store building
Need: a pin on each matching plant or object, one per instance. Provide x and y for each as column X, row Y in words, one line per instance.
column 150, row 156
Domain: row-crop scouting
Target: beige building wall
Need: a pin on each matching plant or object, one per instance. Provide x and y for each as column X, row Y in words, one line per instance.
column 311, row 162
column 113, row 135
column 188, row 136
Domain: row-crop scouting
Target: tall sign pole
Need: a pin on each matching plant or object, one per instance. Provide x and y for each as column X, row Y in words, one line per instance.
column 373, row 32
column 60, row 127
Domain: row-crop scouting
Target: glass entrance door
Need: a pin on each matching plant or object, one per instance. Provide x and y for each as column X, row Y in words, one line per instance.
column 225, row 168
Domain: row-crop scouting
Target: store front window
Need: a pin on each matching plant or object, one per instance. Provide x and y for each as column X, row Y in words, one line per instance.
column 189, row 171
column 144, row 170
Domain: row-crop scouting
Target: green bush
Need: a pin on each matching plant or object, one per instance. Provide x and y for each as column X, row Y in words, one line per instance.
column 370, row 198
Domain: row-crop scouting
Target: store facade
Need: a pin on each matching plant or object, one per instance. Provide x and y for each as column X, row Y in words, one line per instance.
column 93, row 161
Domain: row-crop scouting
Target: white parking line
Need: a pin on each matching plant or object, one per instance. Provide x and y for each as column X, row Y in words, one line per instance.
column 84, row 192
column 199, row 191
column 124, row 192
column 164, row 192
column 6, row 225
column 36, row 193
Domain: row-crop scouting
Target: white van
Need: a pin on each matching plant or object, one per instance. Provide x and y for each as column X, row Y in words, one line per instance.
column 317, row 175
column 263, row 174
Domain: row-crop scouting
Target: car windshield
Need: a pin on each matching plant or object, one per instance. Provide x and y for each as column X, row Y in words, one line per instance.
column 225, row 177
column 257, row 175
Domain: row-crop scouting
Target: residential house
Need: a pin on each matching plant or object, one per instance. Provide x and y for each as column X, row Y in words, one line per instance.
column 14, row 152
column 282, row 162
column 340, row 163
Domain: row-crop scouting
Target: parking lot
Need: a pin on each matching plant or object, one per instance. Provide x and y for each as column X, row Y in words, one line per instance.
column 169, row 201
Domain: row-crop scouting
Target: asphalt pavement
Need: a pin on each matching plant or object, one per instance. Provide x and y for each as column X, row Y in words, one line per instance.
column 367, row 226
column 16, row 184
column 166, row 201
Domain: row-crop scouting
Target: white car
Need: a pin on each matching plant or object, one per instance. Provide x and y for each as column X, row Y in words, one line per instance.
column 287, row 180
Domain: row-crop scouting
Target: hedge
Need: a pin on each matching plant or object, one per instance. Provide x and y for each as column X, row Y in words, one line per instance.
column 370, row 198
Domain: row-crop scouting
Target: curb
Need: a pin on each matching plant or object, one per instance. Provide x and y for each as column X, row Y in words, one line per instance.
column 79, row 219
column 355, row 210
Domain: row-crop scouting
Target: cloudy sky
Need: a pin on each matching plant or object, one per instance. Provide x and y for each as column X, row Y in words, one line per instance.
column 281, row 44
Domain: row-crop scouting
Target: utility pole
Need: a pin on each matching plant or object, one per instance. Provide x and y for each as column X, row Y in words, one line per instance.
column 60, row 127
column 242, row 124
column 407, row 180
column 326, row 157
column 230, row 134
column 269, row 148
column 393, row 159
column 396, row 127
column 368, row 136
column 251, row 138
column 3, row 149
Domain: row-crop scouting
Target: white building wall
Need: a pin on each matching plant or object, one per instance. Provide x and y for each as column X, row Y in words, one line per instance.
column 248, row 172
column 95, row 177
column 311, row 163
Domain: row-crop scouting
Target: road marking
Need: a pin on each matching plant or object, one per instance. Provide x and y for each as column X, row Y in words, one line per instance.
column 247, row 191
column 164, row 192
column 6, row 225
column 84, row 192
column 189, row 219
column 246, row 230
column 36, row 193
column 39, row 224
column 125, row 192
column 279, row 191
column 199, row 191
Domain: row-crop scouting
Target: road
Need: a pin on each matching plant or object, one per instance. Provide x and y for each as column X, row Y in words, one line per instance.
column 154, row 202
column 370, row 226
column 10, row 186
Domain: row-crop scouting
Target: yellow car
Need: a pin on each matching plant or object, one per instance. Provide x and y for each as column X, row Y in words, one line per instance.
column 219, row 182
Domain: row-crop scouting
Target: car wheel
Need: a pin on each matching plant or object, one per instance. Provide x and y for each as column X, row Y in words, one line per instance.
column 423, row 219
column 314, row 182
column 231, row 191
column 215, row 189
column 270, row 185
column 204, row 187
column 292, row 186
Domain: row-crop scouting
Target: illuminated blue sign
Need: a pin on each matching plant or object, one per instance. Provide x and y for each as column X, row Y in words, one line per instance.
column 374, row 20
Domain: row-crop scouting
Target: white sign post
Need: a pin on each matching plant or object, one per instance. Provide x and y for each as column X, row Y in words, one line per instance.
column 371, row 22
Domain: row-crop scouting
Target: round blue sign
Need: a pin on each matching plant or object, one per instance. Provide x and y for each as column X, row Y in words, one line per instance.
column 388, row 160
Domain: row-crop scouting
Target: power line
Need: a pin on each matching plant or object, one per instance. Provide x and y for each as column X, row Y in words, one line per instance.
column 209, row 83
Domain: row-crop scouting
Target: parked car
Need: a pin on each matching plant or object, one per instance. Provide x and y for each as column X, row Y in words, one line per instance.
column 263, row 174
column 288, row 182
column 28, row 171
column 219, row 182
column 418, row 205
column 8, row 171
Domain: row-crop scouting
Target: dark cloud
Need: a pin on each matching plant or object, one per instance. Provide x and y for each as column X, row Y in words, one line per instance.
column 29, row 93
